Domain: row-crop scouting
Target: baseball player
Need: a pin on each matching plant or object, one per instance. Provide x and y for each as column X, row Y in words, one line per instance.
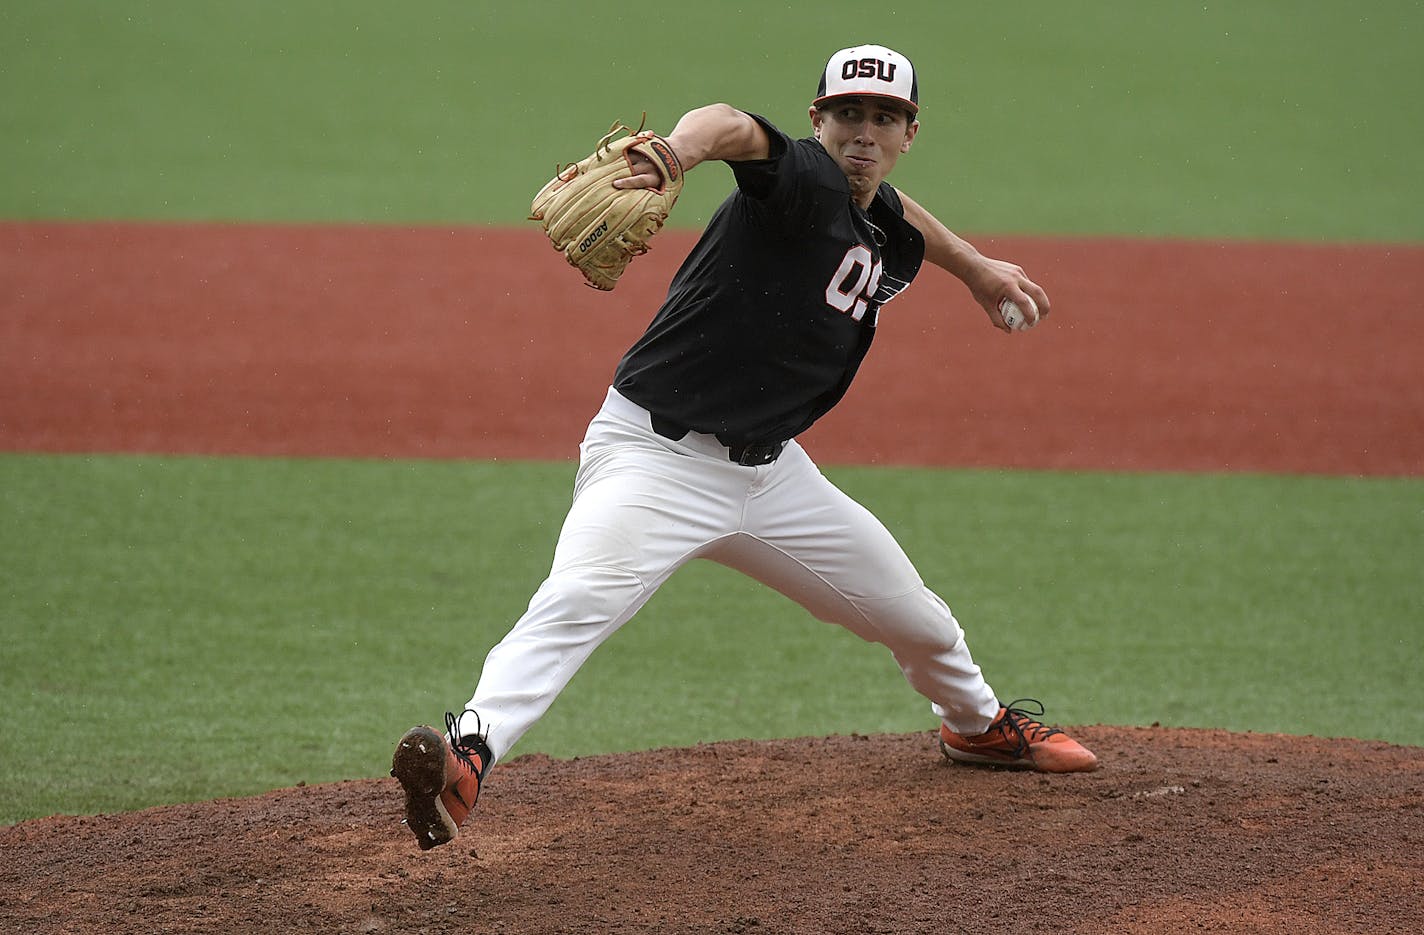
column 694, row 453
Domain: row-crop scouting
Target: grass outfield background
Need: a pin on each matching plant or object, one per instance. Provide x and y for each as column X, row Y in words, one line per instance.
column 1244, row 119
column 210, row 627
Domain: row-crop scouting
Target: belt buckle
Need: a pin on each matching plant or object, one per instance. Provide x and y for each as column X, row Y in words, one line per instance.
column 757, row 455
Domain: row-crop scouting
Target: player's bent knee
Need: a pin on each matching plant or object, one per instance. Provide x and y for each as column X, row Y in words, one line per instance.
column 919, row 621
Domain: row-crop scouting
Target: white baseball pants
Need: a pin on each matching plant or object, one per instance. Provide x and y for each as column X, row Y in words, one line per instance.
column 644, row 506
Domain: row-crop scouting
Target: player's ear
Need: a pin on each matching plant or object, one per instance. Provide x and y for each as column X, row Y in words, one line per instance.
column 816, row 121
column 910, row 132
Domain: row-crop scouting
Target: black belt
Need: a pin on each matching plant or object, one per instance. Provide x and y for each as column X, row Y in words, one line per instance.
column 746, row 455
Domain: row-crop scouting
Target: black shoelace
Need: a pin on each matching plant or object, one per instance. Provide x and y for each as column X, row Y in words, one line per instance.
column 1023, row 722
column 469, row 746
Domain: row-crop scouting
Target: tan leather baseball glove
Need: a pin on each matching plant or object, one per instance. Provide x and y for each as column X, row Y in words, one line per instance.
column 599, row 228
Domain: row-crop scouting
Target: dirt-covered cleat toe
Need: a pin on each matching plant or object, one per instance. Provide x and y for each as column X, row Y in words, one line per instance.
column 1017, row 739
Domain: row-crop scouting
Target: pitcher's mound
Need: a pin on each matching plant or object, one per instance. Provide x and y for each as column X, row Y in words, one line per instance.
column 1178, row 831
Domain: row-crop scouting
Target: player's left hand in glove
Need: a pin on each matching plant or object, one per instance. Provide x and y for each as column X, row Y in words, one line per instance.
column 600, row 228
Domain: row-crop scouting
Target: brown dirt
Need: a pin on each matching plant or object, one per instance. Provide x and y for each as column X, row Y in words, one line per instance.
column 471, row 343
column 477, row 343
column 1179, row 831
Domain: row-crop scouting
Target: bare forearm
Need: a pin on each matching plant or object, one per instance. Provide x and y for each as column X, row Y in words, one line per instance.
column 989, row 280
column 717, row 131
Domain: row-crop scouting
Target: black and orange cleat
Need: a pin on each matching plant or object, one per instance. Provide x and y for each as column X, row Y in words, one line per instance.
column 441, row 775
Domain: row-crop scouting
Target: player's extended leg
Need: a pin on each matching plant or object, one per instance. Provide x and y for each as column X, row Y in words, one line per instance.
column 813, row 543
column 641, row 510
column 809, row 540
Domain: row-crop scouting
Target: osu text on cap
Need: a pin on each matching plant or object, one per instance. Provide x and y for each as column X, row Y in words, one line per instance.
column 868, row 68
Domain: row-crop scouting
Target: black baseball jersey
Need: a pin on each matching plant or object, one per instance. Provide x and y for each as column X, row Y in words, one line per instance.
column 770, row 315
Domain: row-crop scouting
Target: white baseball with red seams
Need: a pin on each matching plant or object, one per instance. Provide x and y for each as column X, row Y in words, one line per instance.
column 1014, row 317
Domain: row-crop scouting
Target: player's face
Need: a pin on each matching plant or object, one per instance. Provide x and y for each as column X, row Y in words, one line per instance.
column 865, row 136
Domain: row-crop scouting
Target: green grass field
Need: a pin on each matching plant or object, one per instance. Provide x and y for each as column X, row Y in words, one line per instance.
column 1258, row 118
column 184, row 628
column 212, row 627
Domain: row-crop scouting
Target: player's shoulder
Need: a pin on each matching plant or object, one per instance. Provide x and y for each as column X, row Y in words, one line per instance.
column 803, row 153
column 808, row 160
column 778, row 142
column 781, row 178
column 888, row 194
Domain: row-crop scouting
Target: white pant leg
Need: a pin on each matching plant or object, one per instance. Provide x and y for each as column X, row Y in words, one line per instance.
column 643, row 506
column 808, row 539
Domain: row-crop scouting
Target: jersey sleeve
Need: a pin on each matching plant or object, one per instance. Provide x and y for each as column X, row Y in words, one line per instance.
column 791, row 186
column 758, row 177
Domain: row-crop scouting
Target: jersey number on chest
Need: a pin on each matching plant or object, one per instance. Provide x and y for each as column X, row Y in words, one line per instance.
column 854, row 283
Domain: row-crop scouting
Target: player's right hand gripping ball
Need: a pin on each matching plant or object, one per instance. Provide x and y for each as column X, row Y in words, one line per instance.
column 599, row 228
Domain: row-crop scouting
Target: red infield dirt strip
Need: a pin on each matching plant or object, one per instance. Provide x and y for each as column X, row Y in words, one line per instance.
column 479, row 343
column 470, row 343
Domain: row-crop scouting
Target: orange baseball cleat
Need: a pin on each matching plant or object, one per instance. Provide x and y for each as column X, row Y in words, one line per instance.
column 441, row 775
column 1018, row 740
